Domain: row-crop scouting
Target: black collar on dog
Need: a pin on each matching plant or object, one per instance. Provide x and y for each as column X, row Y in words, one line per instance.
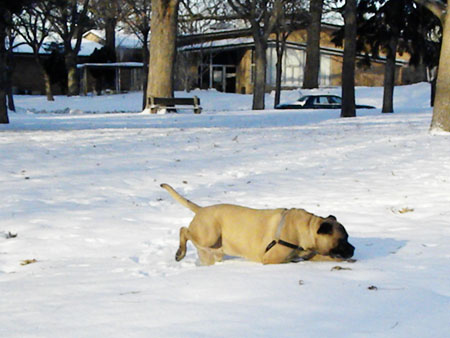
column 284, row 243
column 277, row 239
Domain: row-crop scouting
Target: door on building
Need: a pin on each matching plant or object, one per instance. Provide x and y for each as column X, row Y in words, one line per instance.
column 218, row 70
column 223, row 78
column 219, row 77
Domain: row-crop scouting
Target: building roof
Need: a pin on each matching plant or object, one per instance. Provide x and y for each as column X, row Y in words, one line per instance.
column 230, row 40
column 222, row 44
column 112, row 65
column 87, row 47
column 123, row 40
column 88, row 44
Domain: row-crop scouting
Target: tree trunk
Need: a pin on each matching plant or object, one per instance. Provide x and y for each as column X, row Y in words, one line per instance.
column 389, row 76
column 146, row 57
column 162, row 48
column 48, row 86
column 348, row 67
column 279, row 73
column 110, row 36
column 9, row 72
column 280, row 48
column 72, row 79
column 259, row 87
column 312, row 67
column 10, row 97
column 433, row 92
column 441, row 110
column 47, row 82
column 3, row 110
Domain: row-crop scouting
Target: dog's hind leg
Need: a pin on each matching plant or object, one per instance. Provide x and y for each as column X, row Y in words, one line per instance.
column 184, row 237
column 207, row 256
column 205, row 237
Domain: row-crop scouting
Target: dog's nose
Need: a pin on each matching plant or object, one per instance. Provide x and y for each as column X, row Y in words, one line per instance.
column 350, row 250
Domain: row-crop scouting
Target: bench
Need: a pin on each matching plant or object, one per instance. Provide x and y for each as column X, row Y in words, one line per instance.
column 171, row 103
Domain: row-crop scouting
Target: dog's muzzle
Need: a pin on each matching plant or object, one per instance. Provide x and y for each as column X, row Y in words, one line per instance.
column 343, row 250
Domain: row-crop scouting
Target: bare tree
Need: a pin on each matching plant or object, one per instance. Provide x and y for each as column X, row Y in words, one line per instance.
column 312, row 67
column 294, row 17
column 11, row 35
column 379, row 28
column 106, row 14
column 7, row 9
column 262, row 15
column 199, row 16
column 441, row 110
column 162, row 48
column 3, row 85
column 348, row 66
column 70, row 20
column 33, row 26
column 164, row 24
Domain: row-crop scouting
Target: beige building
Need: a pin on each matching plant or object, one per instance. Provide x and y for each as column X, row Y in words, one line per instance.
column 224, row 61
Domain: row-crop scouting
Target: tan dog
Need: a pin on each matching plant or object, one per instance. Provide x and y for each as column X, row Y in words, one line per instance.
column 269, row 236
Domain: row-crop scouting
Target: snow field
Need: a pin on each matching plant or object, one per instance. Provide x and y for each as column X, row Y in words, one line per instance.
column 81, row 191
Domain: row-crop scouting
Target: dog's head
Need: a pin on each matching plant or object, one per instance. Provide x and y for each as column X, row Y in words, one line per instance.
column 332, row 239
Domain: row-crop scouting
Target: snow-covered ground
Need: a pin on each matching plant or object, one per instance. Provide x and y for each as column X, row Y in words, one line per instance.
column 81, row 191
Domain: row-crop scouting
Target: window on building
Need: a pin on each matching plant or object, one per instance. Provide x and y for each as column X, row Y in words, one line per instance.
column 325, row 71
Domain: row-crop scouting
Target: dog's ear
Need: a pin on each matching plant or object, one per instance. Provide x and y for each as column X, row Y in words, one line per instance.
column 332, row 217
column 325, row 228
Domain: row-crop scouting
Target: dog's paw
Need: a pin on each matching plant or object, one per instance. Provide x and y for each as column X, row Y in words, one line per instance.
column 179, row 255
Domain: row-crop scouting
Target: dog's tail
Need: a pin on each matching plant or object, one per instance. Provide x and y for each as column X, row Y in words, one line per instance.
column 180, row 199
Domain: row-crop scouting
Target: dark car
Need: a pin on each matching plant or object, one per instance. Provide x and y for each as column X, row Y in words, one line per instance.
column 318, row 102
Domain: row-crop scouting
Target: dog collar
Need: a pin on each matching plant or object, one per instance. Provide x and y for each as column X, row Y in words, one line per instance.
column 277, row 239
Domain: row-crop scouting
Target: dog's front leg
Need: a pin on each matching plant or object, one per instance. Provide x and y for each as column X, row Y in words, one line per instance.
column 300, row 256
column 323, row 258
column 278, row 254
column 209, row 256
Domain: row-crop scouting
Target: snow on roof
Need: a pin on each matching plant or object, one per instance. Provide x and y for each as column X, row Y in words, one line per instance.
column 219, row 43
column 22, row 47
column 112, row 64
column 123, row 39
column 87, row 47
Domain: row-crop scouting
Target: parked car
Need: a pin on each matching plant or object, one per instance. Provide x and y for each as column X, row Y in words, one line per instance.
column 318, row 102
